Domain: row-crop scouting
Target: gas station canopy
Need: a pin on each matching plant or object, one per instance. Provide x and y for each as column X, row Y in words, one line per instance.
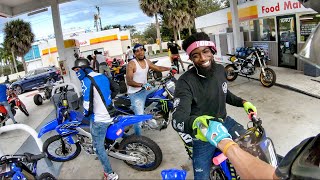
column 11, row 8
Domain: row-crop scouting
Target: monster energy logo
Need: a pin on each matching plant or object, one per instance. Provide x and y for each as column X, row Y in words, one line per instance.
column 164, row 106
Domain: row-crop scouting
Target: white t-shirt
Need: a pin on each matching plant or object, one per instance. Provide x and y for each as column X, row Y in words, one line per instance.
column 129, row 53
column 100, row 58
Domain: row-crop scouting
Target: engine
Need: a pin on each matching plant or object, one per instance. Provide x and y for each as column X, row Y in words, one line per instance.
column 248, row 68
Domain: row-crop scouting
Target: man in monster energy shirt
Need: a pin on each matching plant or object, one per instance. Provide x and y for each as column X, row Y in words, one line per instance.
column 201, row 94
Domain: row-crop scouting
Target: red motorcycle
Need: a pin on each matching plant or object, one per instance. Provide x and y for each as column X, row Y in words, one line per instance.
column 15, row 102
column 175, row 61
column 4, row 116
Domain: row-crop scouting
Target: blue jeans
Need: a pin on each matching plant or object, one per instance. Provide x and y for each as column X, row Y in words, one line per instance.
column 98, row 131
column 138, row 101
column 203, row 151
column 7, row 106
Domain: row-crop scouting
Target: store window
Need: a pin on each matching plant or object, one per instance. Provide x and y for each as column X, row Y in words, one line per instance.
column 246, row 29
column 263, row 29
column 33, row 53
column 308, row 23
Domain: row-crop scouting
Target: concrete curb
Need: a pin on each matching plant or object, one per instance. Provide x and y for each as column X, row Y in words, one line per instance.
column 288, row 88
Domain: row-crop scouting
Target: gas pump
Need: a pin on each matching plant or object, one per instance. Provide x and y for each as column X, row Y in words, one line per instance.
column 71, row 51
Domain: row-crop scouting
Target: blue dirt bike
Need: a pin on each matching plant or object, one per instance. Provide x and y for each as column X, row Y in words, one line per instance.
column 23, row 166
column 159, row 103
column 254, row 141
column 139, row 152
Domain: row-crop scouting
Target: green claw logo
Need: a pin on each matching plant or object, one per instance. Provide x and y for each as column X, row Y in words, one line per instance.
column 164, row 106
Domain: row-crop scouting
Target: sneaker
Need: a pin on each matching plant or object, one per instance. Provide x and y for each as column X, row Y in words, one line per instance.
column 111, row 176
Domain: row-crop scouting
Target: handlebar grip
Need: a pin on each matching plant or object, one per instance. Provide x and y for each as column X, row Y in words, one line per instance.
column 219, row 159
column 32, row 157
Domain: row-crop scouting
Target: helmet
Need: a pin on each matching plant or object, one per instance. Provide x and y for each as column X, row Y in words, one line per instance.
column 81, row 63
column 301, row 162
column 138, row 46
column 310, row 51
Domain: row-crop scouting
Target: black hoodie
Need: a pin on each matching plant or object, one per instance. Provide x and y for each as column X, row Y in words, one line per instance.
column 196, row 96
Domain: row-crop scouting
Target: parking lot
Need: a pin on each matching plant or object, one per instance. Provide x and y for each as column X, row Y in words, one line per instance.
column 287, row 116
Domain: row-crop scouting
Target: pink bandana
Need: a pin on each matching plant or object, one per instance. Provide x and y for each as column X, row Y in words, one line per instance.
column 197, row 44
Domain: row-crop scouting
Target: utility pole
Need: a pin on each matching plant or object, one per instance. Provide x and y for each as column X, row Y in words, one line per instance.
column 98, row 8
column 95, row 16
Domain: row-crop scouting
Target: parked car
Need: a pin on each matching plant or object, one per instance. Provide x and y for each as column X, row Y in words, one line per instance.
column 35, row 78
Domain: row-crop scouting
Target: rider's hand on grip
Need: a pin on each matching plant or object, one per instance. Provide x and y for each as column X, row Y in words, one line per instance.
column 147, row 86
column 210, row 129
column 173, row 70
column 249, row 106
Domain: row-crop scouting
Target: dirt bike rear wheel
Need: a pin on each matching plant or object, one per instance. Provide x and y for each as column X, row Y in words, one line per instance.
column 231, row 75
column 147, row 150
column 46, row 176
column 270, row 78
column 157, row 75
column 23, row 108
column 37, row 99
column 176, row 63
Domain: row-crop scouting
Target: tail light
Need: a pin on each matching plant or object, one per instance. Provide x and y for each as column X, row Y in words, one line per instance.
column 57, row 71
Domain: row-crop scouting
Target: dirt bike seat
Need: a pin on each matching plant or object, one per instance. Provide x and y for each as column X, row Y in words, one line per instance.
column 230, row 54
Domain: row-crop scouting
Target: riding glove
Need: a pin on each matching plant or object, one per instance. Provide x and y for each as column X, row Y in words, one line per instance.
column 249, row 106
column 210, row 129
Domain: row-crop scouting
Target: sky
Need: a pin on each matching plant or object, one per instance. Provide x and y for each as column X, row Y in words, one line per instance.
column 79, row 14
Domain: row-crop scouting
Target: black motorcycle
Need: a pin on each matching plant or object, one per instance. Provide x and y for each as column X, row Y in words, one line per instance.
column 245, row 63
column 154, row 75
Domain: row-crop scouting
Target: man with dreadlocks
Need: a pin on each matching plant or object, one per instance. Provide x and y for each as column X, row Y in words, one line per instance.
column 201, row 95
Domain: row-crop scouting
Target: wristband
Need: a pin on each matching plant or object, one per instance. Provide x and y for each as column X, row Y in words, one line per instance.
column 225, row 149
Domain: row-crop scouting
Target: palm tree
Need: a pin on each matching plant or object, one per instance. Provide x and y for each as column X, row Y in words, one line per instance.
column 153, row 8
column 177, row 16
column 18, row 38
column 5, row 58
column 193, row 6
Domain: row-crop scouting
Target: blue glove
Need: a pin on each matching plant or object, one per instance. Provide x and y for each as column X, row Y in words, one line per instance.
column 216, row 132
column 147, row 86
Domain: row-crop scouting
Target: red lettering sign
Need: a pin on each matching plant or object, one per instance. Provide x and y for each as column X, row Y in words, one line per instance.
column 271, row 9
column 291, row 5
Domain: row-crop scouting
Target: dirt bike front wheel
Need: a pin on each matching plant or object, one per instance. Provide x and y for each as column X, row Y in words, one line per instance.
column 269, row 79
column 23, row 108
column 59, row 150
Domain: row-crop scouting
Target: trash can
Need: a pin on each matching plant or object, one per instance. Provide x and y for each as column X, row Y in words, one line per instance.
column 311, row 70
column 173, row 174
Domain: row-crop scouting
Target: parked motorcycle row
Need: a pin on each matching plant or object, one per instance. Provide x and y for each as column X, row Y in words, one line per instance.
column 138, row 152
column 245, row 61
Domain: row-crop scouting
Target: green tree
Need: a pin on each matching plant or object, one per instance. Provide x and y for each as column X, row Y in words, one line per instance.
column 6, row 59
column 153, row 8
column 150, row 34
column 177, row 16
column 208, row 6
column 193, row 7
column 18, row 38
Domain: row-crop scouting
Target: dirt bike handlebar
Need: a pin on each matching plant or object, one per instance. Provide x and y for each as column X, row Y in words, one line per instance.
column 65, row 84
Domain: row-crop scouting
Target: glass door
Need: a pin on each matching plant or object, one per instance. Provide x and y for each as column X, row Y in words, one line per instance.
column 287, row 41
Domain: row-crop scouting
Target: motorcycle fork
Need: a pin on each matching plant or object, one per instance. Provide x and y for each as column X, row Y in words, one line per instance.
column 261, row 65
